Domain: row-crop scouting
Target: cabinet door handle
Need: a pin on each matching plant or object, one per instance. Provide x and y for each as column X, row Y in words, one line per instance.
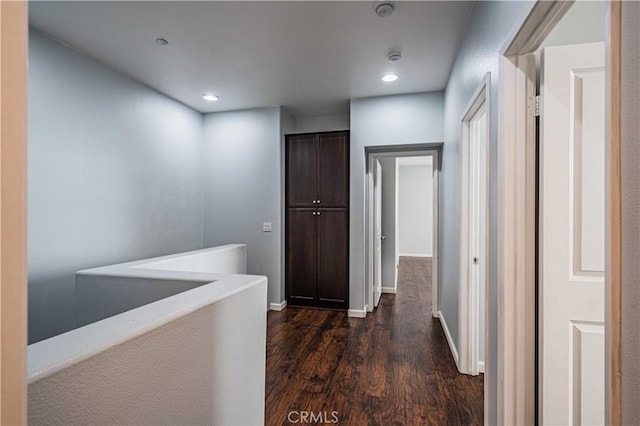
column 314, row 201
column 318, row 213
column 318, row 201
column 314, row 213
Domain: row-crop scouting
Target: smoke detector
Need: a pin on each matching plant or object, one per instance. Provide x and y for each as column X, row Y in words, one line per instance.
column 384, row 8
column 394, row 56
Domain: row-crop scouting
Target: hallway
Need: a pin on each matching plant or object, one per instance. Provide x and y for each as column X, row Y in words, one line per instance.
column 394, row 367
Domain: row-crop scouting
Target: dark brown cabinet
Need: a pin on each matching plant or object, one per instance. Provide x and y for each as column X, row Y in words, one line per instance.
column 317, row 220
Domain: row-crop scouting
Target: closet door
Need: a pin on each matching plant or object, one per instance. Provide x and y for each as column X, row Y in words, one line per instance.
column 333, row 257
column 301, row 254
column 333, row 167
column 302, row 170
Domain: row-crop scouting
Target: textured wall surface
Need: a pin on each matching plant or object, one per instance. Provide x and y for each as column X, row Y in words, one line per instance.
column 215, row 355
column 114, row 174
column 243, row 188
column 322, row 123
column 630, row 212
column 487, row 31
column 381, row 121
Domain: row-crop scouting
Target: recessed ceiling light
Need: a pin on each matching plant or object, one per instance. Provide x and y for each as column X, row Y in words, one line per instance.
column 390, row 77
column 210, row 97
column 384, row 8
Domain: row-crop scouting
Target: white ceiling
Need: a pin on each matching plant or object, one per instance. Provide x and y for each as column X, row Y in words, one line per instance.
column 310, row 57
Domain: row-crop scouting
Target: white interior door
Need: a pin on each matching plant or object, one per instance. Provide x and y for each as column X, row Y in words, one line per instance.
column 572, row 235
column 478, row 226
column 377, row 280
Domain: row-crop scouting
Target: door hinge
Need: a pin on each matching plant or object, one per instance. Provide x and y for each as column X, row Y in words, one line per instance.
column 538, row 106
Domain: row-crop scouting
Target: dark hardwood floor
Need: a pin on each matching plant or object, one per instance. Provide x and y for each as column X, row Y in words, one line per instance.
column 392, row 368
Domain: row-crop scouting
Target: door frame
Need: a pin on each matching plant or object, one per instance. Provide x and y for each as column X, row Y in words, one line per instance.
column 468, row 297
column 14, row 35
column 517, row 214
column 411, row 150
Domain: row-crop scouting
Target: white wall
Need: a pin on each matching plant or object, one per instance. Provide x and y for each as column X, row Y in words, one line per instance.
column 388, row 120
column 114, row 174
column 583, row 23
column 322, row 123
column 242, row 159
column 211, row 339
column 389, row 222
column 490, row 24
column 415, row 205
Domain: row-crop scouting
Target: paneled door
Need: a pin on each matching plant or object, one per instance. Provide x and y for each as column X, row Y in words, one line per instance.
column 302, row 170
column 333, row 170
column 333, row 256
column 572, row 235
column 301, row 253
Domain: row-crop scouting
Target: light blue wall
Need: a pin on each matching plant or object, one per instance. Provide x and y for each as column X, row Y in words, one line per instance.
column 324, row 123
column 243, row 187
column 388, row 120
column 114, row 175
column 490, row 25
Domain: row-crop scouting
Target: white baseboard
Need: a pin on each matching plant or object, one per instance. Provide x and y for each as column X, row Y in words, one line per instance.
column 414, row 255
column 436, row 314
column 452, row 345
column 480, row 366
column 278, row 306
column 357, row 313
column 390, row 290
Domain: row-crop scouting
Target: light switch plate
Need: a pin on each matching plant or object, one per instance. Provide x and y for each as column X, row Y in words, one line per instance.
column 266, row 226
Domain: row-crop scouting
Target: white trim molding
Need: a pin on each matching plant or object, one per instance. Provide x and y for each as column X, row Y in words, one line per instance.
column 357, row 313
column 389, row 290
column 278, row 306
column 409, row 150
column 414, row 255
column 469, row 309
column 516, row 242
column 452, row 345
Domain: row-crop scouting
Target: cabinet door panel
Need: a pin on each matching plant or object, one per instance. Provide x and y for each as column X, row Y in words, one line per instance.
column 333, row 256
column 301, row 254
column 302, row 170
column 333, row 163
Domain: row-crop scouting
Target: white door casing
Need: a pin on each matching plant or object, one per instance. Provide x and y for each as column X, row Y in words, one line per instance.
column 572, row 235
column 478, row 234
column 473, row 231
column 377, row 287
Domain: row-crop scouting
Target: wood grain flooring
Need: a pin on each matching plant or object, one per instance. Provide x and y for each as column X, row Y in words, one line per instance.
column 392, row 368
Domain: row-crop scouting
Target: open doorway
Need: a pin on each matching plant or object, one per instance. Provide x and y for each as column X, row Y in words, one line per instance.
column 558, row 237
column 402, row 218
